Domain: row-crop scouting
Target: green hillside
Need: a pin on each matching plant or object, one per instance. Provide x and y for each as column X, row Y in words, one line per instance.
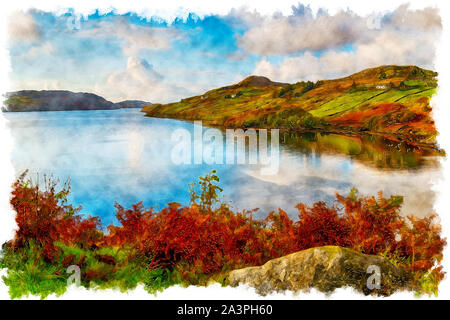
column 387, row 99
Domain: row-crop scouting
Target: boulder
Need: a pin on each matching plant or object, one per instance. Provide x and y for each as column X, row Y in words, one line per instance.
column 324, row 268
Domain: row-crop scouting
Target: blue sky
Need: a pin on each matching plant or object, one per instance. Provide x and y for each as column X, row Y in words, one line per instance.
column 127, row 56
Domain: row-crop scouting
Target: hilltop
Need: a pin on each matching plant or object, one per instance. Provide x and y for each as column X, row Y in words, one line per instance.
column 387, row 99
column 257, row 82
column 62, row 100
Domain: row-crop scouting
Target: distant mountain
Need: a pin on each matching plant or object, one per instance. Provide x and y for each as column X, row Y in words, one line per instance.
column 386, row 100
column 133, row 104
column 62, row 100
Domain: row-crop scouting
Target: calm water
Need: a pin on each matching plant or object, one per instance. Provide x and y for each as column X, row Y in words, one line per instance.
column 122, row 156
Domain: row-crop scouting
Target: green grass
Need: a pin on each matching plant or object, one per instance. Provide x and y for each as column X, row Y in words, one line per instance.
column 414, row 83
column 28, row 274
column 412, row 98
column 394, row 95
column 344, row 103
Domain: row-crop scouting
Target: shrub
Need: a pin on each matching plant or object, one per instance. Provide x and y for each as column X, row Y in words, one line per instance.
column 308, row 122
column 308, row 87
column 45, row 217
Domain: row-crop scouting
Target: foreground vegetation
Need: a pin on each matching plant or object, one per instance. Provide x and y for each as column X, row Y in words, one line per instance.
column 202, row 242
column 388, row 99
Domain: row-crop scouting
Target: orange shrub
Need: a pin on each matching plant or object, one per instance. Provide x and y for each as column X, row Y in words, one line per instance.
column 44, row 217
column 321, row 225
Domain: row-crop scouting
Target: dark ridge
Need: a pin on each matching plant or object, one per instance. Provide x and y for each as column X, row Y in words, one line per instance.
column 62, row 100
column 133, row 104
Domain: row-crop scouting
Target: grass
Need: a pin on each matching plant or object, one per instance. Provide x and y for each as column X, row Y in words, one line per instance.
column 344, row 103
column 28, row 273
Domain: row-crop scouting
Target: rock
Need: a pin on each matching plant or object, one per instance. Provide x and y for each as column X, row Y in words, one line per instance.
column 323, row 268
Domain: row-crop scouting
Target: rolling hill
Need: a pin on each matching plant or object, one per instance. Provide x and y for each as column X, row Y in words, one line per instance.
column 392, row 100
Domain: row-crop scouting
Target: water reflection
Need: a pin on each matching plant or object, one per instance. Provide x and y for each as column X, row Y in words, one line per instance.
column 122, row 156
column 373, row 150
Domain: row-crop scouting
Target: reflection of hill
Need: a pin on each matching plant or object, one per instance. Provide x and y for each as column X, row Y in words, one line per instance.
column 375, row 150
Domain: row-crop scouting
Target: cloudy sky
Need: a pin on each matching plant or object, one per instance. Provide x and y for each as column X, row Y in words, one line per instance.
column 126, row 56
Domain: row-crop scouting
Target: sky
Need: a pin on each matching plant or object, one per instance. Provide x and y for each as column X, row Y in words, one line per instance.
column 128, row 56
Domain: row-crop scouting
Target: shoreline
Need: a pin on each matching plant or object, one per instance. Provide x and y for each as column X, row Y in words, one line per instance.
column 389, row 135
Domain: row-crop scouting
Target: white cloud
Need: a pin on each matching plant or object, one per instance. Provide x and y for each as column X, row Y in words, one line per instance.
column 41, row 84
column 137, row 71
column 242, row 18
column 425, row 19
column 279, row 34
column 135, row 38
column 23, row 27
column 139, row 81
column 404, row 37
column 38, row 50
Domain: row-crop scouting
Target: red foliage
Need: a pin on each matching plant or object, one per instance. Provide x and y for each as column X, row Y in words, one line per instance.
column 134, row 228
column 209, row 237
column 422, row 242
column 373, row 223
column 186, row 234
column 358, row 117
column 44, row 217
column 321, row 225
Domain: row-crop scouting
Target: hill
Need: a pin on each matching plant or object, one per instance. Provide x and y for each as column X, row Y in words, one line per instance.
column 387, row 100
column 132, row 104
column 62, row 100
